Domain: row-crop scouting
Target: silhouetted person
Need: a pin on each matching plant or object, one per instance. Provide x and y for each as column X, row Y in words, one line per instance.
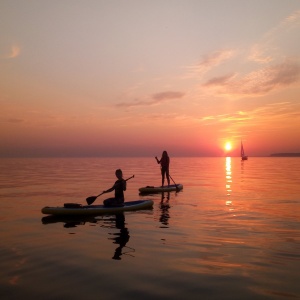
column 119, row 187
column 164, row 165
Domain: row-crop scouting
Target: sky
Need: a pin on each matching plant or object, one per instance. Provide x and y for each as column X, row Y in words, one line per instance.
column 136, row 77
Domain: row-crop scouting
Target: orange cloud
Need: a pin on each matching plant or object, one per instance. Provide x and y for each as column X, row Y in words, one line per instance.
column 269, row 118
column 15, row 51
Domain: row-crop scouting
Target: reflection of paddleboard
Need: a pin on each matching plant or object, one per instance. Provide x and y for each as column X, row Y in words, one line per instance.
column 159, row 189
column 77, row 209
column 77, row 219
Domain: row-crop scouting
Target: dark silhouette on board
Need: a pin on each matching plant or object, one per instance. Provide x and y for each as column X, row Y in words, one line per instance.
column 164, row 166
column 119, row 187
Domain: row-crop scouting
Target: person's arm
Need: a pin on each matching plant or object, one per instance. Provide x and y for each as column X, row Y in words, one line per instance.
column 158, row 161
column 109, row 190
column 124, row 184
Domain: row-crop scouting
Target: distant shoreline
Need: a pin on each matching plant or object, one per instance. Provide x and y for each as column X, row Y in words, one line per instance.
column 175, row 156
column 285, row 155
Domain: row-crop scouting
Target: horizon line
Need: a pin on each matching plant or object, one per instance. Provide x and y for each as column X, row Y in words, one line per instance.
column 146, row 156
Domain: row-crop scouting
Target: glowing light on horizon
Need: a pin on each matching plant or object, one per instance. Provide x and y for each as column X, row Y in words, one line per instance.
column 228, row 146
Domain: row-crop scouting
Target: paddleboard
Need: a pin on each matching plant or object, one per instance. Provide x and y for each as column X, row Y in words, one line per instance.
column 159, row 189
column 78, row 209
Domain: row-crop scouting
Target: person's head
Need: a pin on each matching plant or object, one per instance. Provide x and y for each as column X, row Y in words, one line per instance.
column 119, row 174
column 165, row 154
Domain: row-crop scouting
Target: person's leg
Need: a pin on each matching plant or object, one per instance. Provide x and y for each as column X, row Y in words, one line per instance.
column 108, row 201
column 168, row 177
column 163, row 177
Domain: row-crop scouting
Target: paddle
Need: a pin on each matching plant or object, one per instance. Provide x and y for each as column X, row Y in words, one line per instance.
column 176, row 185
column 91, row 199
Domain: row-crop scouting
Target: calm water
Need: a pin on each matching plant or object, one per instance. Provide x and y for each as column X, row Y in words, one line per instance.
column 233, row 232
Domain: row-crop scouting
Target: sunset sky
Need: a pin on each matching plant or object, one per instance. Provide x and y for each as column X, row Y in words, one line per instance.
column 136, row 77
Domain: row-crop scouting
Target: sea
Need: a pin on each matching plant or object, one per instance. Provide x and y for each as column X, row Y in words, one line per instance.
column 232, row 232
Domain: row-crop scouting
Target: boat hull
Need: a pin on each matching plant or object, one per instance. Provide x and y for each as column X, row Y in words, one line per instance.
column 97, row 209
column 160, row 189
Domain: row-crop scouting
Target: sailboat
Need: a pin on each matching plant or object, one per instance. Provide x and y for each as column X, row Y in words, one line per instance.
column 243, row 156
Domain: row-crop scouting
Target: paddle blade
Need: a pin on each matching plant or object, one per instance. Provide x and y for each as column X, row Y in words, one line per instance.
column 90, row 200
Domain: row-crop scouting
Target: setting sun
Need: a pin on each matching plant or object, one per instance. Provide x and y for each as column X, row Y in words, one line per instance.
column 228, row 146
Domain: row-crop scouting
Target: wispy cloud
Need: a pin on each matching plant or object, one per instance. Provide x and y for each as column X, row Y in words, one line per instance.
column 267, row 48
column 167, row 96
column 260, row 53
column 14, row 52
column 273, row 117
column 210, row 61
column 154, row 99
column 266, row 118
column 258, row 82
column 14, row 120
column 219, row 80
column 238, row 116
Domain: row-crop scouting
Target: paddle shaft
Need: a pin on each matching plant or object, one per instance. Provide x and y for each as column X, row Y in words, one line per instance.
column 173, row 180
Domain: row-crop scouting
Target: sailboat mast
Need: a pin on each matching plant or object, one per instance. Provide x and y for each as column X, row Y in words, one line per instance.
column 242, row 149
column 244, row 157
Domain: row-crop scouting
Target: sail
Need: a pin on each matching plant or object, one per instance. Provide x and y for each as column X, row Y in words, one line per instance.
column 243, row 156
column 242, row 150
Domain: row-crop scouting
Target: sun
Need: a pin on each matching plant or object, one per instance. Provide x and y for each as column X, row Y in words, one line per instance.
column 228, row 146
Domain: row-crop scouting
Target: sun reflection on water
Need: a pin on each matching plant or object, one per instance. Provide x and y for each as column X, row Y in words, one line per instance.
column 228, row 181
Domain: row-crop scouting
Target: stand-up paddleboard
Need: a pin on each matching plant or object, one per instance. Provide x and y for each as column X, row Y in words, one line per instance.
column 78, row 209
column 160, row 189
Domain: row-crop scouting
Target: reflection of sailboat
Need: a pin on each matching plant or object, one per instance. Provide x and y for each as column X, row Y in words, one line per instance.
column 243, row 156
